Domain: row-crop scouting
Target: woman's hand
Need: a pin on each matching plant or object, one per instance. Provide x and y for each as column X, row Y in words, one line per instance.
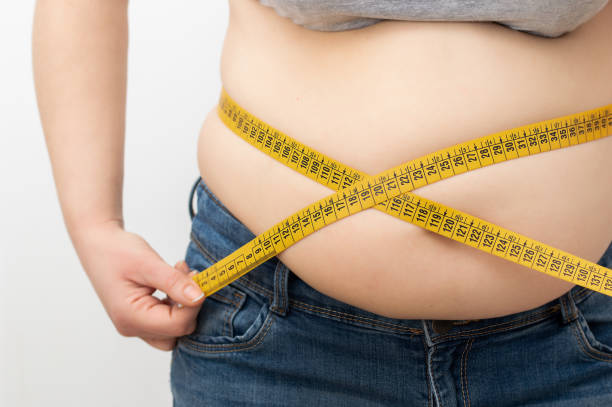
column 125, row 271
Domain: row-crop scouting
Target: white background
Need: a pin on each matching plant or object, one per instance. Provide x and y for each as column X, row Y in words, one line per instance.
column 57, row 345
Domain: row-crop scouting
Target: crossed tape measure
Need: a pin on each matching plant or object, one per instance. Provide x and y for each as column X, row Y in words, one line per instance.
column 389, row 192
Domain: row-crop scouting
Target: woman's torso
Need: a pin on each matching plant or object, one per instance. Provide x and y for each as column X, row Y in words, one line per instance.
column 378, row 96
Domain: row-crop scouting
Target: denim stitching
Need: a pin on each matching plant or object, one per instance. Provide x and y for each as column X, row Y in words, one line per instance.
column 255, row 287
column 223, row 299
column 226, row 326
column 275, row 305
column 284, row 294
column 355, row 318
column 365, row 320
column 228, row 312
column 582, row 295
column 399, row 327
column 530, row 319
column 209, row 348
column 583, row 291
column 521, row 321
column 564, row 312
column 429, row 401
column 586, row 347
column 321, row 310
column 433, row 380
column 525, row 322
column 464, row 386
column 231, row 315
column 203, row 250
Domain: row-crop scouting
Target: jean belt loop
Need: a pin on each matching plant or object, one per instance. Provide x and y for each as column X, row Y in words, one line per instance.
column 569, row 311
column 280, row 303
column 193, row 188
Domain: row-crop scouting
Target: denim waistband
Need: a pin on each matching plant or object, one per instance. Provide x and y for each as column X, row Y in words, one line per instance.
column 285, row 290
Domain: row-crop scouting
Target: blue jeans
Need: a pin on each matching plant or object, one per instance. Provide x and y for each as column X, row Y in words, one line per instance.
column 269, row 339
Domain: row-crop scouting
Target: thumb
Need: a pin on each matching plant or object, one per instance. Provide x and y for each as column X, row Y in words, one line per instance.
column 178, row 285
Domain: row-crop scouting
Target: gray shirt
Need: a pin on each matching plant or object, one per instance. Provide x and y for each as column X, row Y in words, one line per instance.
column 547, row 18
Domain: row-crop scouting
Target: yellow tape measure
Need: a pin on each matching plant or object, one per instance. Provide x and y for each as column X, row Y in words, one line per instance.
column 389, row 191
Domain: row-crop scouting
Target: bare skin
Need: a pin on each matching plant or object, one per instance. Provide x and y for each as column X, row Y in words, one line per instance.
column 79, row 52
column 405, row 88
column 382, row 95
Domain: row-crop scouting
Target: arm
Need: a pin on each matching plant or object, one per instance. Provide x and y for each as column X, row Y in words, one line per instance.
column 79, row 54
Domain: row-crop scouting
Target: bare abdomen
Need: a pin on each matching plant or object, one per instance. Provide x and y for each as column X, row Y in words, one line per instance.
column 376, row 97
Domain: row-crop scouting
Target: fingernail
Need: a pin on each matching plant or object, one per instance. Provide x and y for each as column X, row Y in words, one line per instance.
column 193, row 292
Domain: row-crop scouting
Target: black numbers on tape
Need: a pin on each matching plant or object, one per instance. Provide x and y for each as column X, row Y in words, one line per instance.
column 475, row 235
column 409, row 210
column 295, row 157
column 365, row 195
column 449, row 225
column 461, row 230
column 340, row 205
column 431, row 170
column 336, row 176
column 295, row 227
column 533, row 141
column 528, row 255
column 582, row 275
column 314, row 168
column 391, row 184
column 568, row 270
column 422, row 215
column 515, row 250
column 404, row 180
column 484, row 153
column 488, row 240
column 346, row 182
column 395, row 205
column 285, row 233
column 286, row 152
column 435, row 220
column 325, row 171
column 501, row 246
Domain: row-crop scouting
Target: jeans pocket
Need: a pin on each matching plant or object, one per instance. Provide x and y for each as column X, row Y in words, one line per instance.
column 230, row 320
column 594, row 326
